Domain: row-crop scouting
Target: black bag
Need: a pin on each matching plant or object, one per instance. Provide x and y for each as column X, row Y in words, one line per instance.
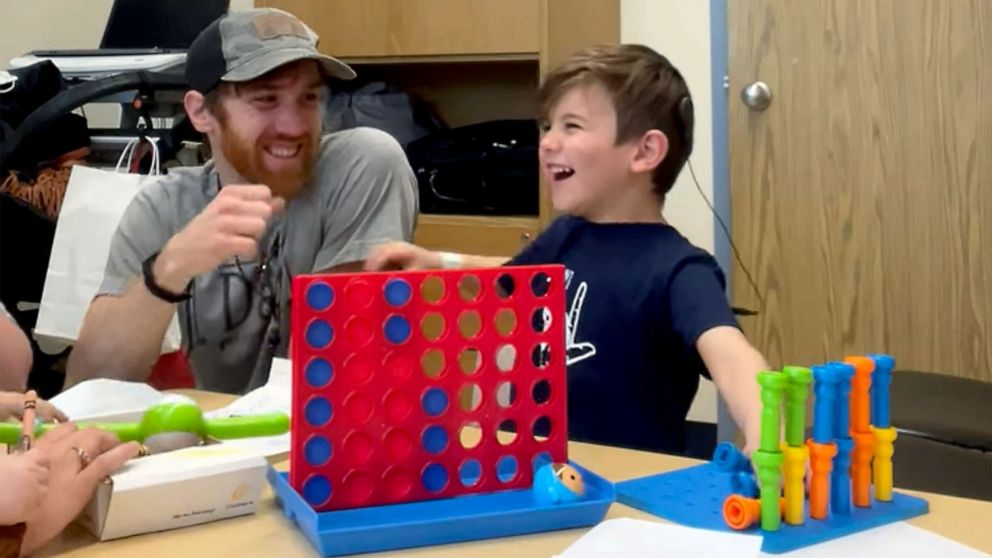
column 36, row 85
column 379, row 106
column 489, row 168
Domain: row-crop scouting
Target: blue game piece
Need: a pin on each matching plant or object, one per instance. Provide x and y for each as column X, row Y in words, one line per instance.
column 434, row 478
column 397, row 329
column 319, row 334
column 319, row 373
column 435, row 402
column 397, row 292
column 881, row 379
column 434, row 440
column 319, row 296
column 318, row 411
column 316, row 490
column 840, row 478
column 842, row 404
column 317, row 451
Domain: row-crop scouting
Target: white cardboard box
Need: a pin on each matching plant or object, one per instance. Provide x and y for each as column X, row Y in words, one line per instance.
column 176, row 489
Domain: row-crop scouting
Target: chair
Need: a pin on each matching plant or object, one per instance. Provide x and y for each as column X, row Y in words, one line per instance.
column 945, row 434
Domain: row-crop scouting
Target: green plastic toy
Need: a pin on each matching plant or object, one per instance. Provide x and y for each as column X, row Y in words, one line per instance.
column 795, row 404
column 768, row 458
column 173, row 423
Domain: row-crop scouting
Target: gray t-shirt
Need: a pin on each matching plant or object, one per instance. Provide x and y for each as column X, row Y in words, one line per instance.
column 363, row 193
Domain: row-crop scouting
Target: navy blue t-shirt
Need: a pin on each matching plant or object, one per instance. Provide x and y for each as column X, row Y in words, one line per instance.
column 639, row 295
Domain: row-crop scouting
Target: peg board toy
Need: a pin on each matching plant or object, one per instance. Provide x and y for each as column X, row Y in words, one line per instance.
column 413, row 386
column 849, row 454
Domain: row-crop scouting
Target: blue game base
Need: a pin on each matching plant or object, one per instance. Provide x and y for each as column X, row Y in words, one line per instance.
column 431, row 522
column 694, row 497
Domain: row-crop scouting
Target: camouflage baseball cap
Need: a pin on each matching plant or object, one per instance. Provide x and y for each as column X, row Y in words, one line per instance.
column 244, row 45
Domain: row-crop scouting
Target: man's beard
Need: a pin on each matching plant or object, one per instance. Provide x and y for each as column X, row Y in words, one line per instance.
column 246, row 158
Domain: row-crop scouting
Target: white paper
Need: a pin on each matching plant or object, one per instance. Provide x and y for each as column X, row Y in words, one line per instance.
column 95, row 201
column 275, row 395
column 636, row 538
column 896, row 539
column 107, row 400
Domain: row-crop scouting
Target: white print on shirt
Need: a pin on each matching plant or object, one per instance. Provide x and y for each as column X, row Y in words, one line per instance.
column 576, row 352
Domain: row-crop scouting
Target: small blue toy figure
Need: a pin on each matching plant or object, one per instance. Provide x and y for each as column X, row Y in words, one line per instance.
column 557, row 483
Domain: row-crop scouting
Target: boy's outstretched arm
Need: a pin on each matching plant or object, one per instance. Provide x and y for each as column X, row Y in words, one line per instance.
column 734, row 365
column 406, row 256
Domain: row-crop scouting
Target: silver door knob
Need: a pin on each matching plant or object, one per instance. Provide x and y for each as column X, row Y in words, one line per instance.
column 757, row 96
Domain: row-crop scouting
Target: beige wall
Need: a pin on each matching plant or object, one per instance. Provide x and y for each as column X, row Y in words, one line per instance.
column 27, row 25
column 680, row 29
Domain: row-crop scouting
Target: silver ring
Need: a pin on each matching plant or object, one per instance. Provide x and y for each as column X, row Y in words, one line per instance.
column 84, row 458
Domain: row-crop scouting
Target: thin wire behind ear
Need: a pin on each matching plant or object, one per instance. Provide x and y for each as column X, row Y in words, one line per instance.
column 688, row 116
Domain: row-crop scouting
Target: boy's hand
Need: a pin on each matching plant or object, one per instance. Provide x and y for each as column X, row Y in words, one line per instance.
column 25, row 485
column 12, row 407
column 401, row 256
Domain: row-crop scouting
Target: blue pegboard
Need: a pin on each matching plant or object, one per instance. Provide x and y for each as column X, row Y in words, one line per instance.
column 431, row 522
column 694, row 497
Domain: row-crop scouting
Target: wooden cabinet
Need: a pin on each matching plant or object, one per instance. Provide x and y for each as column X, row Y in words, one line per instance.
column 384, row 28
column 472, row 61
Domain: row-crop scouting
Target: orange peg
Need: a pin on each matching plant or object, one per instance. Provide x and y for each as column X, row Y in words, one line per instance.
column 864, row 449
column 860, row 393
column 742, row 513
column 821, row 462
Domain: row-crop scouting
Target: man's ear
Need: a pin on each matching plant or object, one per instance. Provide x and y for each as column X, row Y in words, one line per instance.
column 652, row 148
column 199, row 115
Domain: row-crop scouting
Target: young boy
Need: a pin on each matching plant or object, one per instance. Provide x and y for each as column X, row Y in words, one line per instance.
column 617, row 125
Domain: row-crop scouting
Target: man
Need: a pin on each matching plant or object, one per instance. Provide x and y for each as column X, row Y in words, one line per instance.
column 220, row 243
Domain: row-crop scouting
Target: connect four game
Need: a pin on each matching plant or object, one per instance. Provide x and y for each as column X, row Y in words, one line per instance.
column 412, row 386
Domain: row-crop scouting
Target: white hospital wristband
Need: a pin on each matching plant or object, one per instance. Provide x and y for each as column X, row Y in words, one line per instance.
column 451, row 260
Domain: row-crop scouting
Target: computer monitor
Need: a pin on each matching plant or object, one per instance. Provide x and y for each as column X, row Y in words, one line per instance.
column 163, row 24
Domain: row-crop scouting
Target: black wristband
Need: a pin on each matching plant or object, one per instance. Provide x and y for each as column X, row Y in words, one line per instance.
column 153, row 286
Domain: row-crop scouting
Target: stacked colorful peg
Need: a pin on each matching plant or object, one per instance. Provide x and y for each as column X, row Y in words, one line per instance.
column 768, row 458
column 850, row 449
column 840, row 478
column 822, row 448
column 796, row 452
column 864, row 440
column 885, row 434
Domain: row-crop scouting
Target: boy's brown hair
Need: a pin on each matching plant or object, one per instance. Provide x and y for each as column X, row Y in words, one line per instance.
column 648, row 94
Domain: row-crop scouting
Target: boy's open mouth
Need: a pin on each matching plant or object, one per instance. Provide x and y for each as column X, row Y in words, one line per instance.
column 559, row 172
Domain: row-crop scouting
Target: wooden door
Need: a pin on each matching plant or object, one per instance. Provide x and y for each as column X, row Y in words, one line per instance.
column 862, row 196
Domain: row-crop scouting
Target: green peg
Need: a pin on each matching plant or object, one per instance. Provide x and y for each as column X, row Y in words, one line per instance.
column 768, row 470
column 772, row 387
column 795, row 404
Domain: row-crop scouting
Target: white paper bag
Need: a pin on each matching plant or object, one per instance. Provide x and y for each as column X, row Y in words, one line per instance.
column 94, row 203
